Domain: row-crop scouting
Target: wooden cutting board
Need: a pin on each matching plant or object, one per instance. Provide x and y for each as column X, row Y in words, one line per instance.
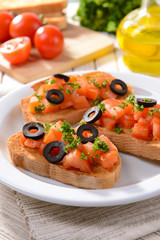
column 81, row 45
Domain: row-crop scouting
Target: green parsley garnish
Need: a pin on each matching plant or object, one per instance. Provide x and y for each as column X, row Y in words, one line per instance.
column 96, row 84
column 131, row 99
column 39, row 108
column 38, row 96
column 147, row 100
column 102, row 107
column 97, row 101
column 117, row 129
column 73, row 85
column 83, row 156
column 152, row 110
column 131, row 129
column 52, row 81
column 100, row 146
column 61, row 88
column 48, row 126
column 139, row 108
column 113, row 117
column 81, row 123
column 68, row 136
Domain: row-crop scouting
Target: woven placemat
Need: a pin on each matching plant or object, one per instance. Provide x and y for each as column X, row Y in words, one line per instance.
column 22, row 217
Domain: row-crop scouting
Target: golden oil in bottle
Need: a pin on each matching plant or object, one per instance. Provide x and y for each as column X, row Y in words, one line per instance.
column 139, row 37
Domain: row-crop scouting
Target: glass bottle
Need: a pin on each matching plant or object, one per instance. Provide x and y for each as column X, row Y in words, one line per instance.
column 138, row 35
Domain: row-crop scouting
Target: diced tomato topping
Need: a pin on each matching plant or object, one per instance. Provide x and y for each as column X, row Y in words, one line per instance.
column 92, row 92
column 109, row 159
column 28, row 142
column 73, row 161
column 127, row 121
column 83, row 88
column 106, row 140
column 49, row 107
column 141, row 131
column 107, row 93
column 34, row 102
column 40, row 150
column 54, row 134
column 156, row 128
column 109, row 103
column 80, row 102
column 88, row 148
column 128, row 109
column 143, row 122
column 108, row 122
column 139, row 114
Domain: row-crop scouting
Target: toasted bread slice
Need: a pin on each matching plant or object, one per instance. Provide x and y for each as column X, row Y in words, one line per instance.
column 126, row 143
column 29, row 159
column 70, row 114
column 36, row 6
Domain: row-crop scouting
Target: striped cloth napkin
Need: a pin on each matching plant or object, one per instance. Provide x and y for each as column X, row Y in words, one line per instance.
column 22, row 217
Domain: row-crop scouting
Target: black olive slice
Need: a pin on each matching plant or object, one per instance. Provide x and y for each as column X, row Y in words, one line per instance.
column 49, row 147
column 93, row 118
column 146, row 102
column 30, row 126
column 86, row 127
column 61, row 76
column 121, row 92
column 54, row 99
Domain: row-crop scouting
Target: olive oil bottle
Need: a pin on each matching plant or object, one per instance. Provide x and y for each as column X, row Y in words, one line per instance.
column 138, row 35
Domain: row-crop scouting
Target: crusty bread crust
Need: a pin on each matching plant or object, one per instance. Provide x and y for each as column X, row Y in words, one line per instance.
column 71, row 115
column 126, row 143
column 29, row 159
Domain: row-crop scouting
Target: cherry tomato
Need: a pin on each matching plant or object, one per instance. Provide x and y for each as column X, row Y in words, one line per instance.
column 16, row 50
column 5, row 20
column 49, row 41
column 25, row 24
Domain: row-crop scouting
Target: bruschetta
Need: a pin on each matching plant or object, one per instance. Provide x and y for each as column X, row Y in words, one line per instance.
column 63, row 97
column 132, row 125
column 79, row 157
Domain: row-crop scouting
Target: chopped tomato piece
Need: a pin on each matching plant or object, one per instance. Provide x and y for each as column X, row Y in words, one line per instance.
column 107, row 93
column 49, row 107
column 143, row 122
column 46, row 87
column 80, row 102
column 34, row 102
column 88, row 148
column 111, row 102
column 109, row 159
column 73, row 161
column 67, row 100
column 83, row 88
column 141, row 131
column 109, row 143
column 156, row 128
column 92, row 92
column 98, row 75
column 139, row 114
column 40, row 150
column 127, row 121
column 54, row 134
column 129, row 109
column 108, row 122
column 28, row 142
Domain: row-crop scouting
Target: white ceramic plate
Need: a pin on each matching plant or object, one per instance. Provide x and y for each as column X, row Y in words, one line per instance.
column 139, row 177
